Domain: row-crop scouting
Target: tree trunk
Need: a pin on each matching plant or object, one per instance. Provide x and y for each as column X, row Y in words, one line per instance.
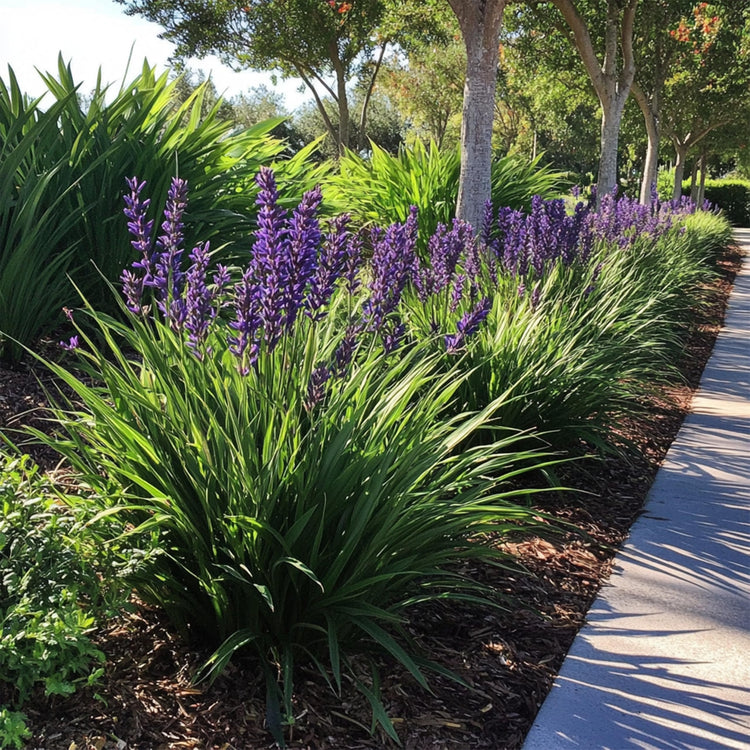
column 343, row 103
column 651, row 165
column 480, row 22
column 702, row 184
column 332, row 131
column 362, row 137
column 606, row 180
column 694, row 181
column 681, row 150
column 612, row 86
column 476, row 138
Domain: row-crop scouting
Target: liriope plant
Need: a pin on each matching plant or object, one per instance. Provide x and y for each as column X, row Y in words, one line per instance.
column 381, row 189
column 299, row 464
column 61, row 172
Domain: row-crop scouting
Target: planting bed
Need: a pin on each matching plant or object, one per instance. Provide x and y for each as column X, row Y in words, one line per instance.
column 146, row 699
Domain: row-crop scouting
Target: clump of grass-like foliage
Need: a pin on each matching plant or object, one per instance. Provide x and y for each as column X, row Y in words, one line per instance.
column 301, row 471
column 61, row 170
column 319, row 437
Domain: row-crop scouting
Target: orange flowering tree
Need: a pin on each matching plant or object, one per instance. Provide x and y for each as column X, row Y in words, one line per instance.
column 691, row 75
column 708, row 84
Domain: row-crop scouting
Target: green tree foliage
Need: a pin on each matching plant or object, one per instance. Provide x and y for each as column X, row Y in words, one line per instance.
column 708, row 86
column 428, row 89
column 325, row 43
column 188, row 81
column 602, row 33
column 385, row 126
column 554, row 98
column 259, row 104
column 656, row 50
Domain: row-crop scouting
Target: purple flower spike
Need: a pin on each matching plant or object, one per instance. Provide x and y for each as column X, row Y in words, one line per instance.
column 246, row 322
column 135, row 212
column 221, row 278
column 353, row 261
column 457, row 292
column 468, row 325
column 392, row 264
column 345, row 351
column 392, row 333
column 199, row 308
column 168, row 277
column 270, row 262
column 72, row 344
column 132, row 289
column 304, row 240
column 487, row 216
column 316, row 388
column 536, row 296
column 332, row 264
column 172, row 227
column 140, row 229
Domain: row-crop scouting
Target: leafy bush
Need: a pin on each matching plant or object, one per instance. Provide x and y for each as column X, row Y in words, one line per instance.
column 62, row 171
column 732, row 197
column 306, row 488
column 50, row 595
column 380, row 190
column 579, row 311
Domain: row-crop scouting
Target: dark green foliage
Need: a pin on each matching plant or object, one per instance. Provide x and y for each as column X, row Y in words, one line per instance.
column 62, row 175
column 50, row 595
column 731, row 196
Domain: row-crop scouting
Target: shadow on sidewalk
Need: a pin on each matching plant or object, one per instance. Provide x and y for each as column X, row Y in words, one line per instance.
column 653, row 705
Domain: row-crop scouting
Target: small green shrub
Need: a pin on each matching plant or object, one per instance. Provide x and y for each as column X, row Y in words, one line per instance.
column 732, row 197
column 13, row 729
column 380, row 190
column 50, row 595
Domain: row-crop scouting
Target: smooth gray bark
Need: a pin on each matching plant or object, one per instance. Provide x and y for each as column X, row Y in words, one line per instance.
column 609, row 141
column 694, row 181
column 681, row 150
column 480, row 22
column 702, row 184
column 650, row 110
column 611, row 79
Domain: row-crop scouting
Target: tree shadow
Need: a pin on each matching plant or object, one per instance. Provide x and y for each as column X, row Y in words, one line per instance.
column 664, row 660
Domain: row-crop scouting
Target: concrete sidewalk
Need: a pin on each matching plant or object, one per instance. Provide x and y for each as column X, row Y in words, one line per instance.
column 664, row 659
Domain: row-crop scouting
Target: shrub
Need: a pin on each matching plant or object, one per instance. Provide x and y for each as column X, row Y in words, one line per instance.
column 305, row 484
column 50, row 596
column 732, row 197
column 62, row 171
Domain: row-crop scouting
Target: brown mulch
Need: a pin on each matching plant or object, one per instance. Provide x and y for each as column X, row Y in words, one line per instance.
column 146, row 699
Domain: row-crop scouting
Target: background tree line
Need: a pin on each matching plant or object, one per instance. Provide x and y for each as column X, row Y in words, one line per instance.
column 607, row 89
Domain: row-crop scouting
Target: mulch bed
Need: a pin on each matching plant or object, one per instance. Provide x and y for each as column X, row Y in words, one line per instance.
column 146, row 699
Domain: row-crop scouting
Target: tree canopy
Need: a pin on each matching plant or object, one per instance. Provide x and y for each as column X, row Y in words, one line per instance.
column 326, row 43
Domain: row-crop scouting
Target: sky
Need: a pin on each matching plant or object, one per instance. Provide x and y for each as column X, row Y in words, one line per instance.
column 97, row 33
